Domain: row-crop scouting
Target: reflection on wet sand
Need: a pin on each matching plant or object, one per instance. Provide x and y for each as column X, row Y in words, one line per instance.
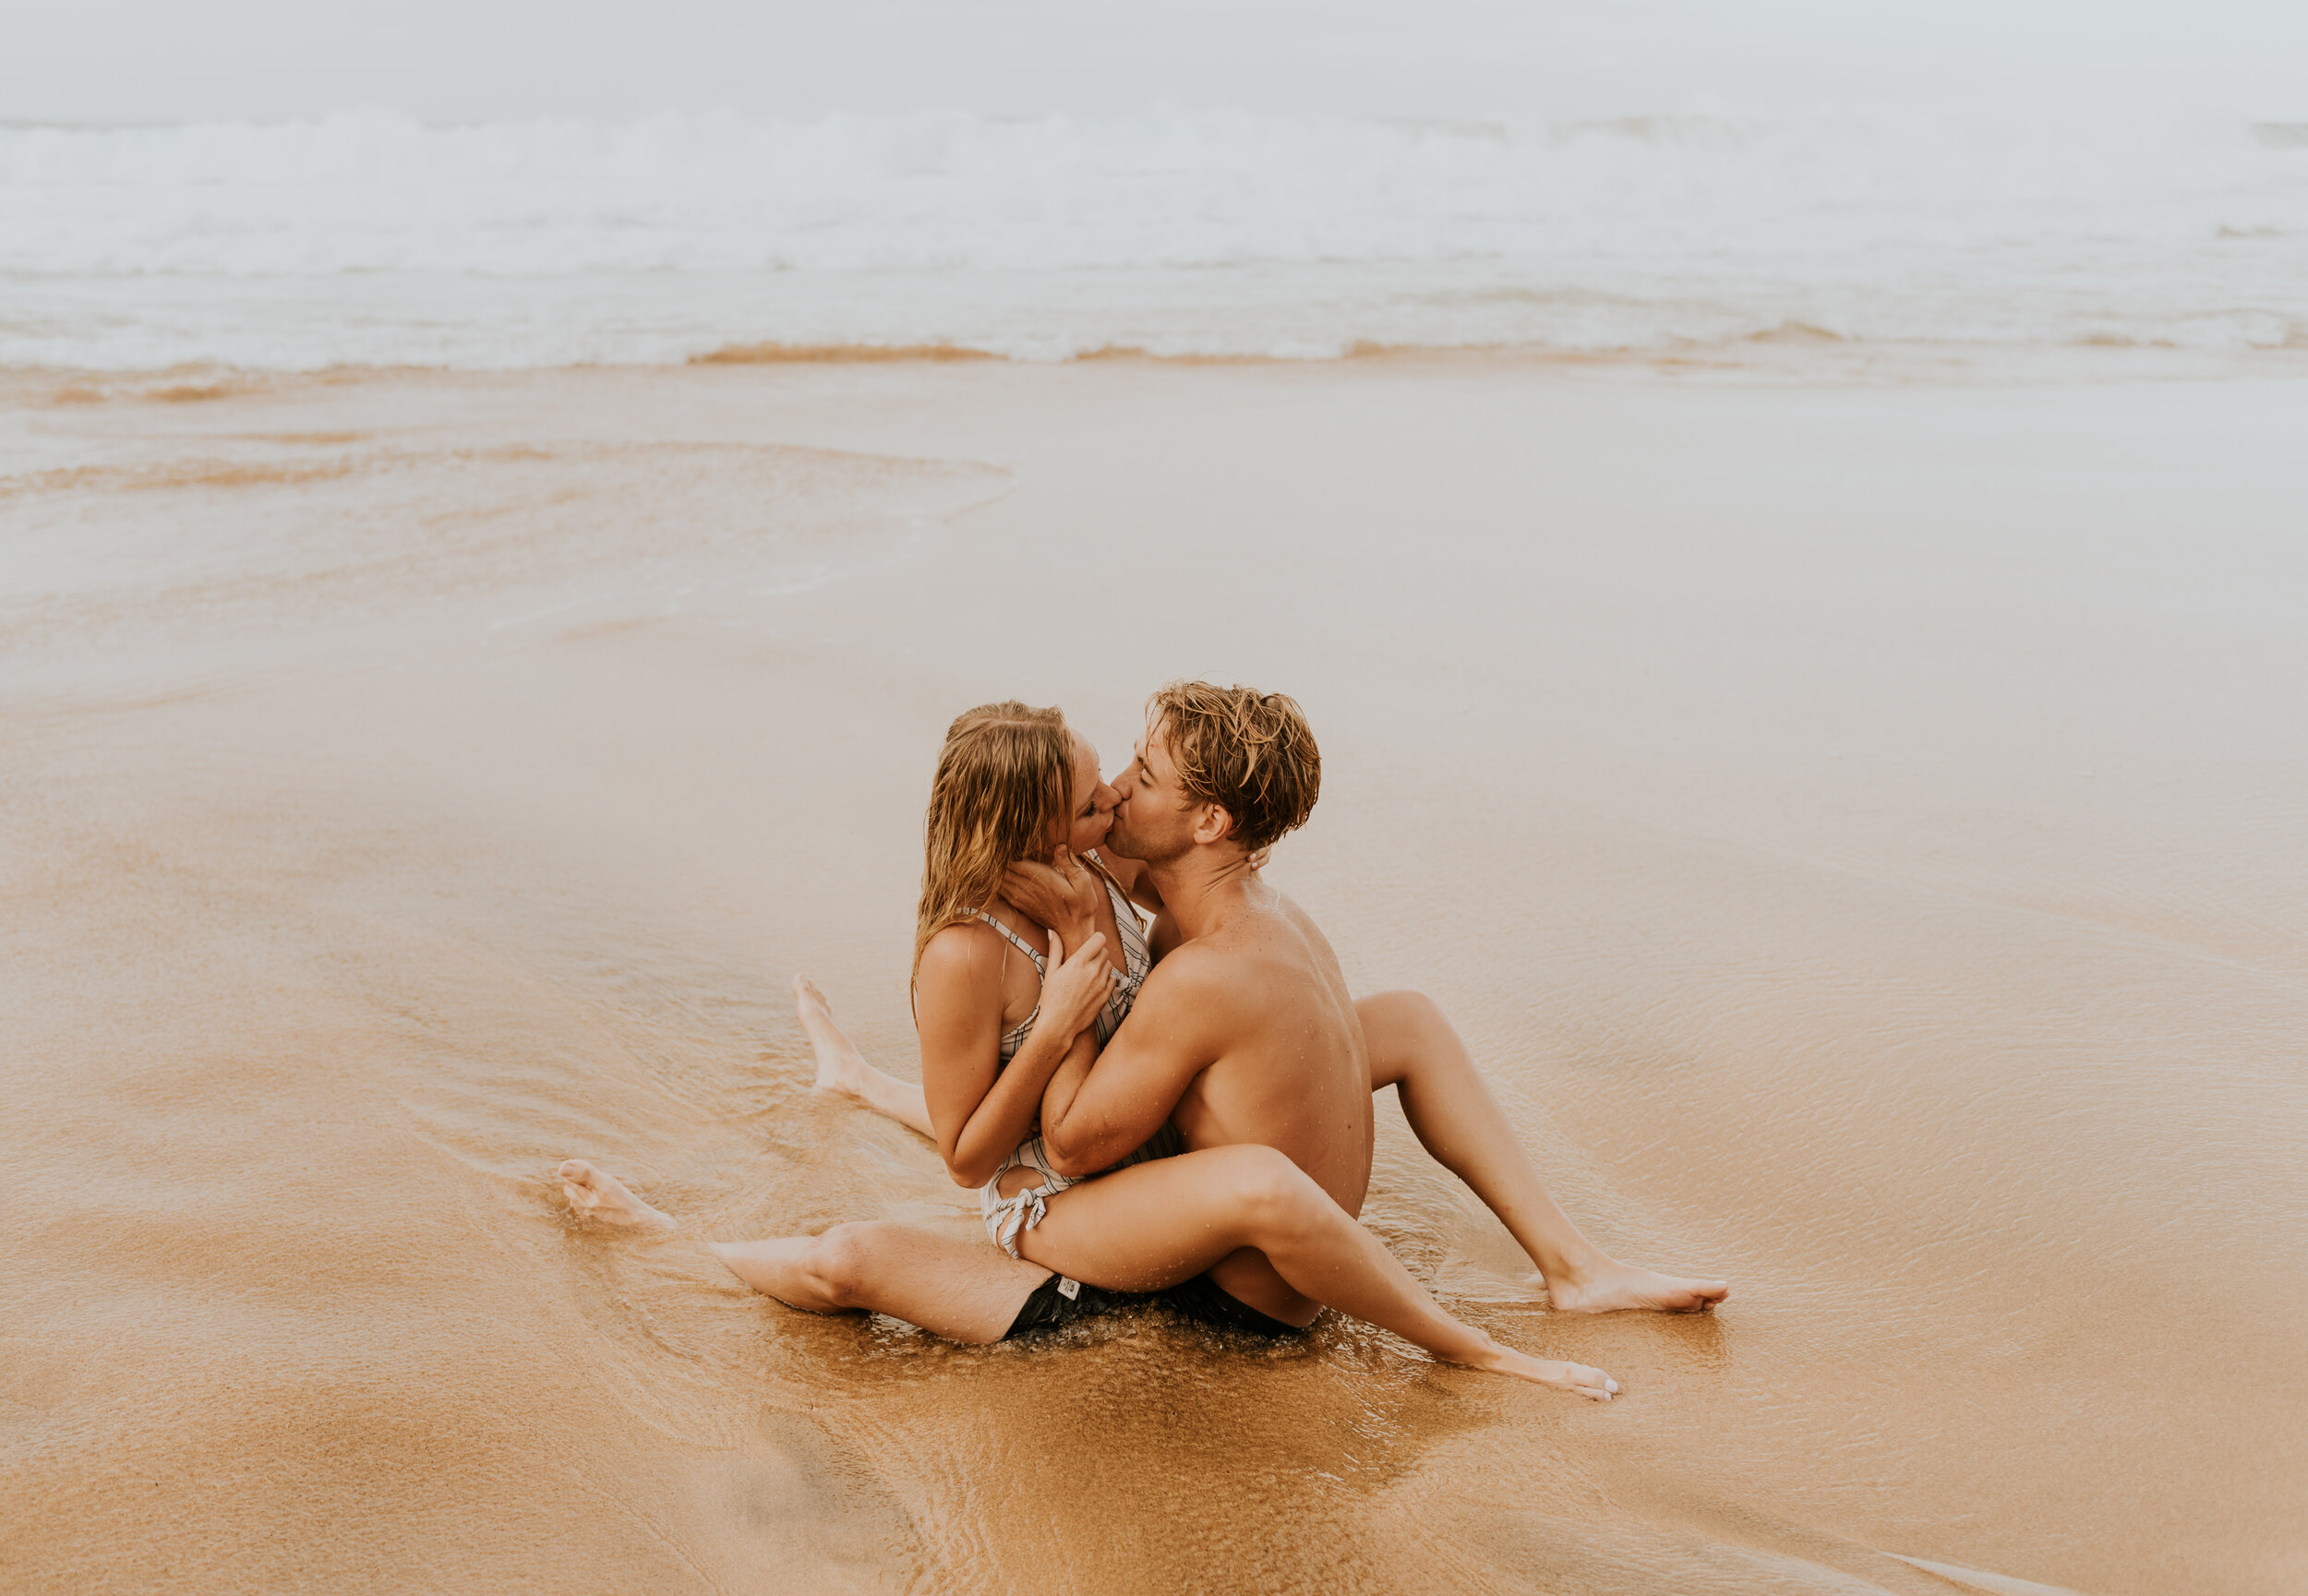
column 1849, row 825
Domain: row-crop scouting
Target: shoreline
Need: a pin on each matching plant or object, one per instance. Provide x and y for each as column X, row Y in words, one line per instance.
column 1793, row 354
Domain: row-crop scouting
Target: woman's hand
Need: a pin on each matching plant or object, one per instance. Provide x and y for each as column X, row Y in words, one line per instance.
column 1076, row 987
column 1061, row 896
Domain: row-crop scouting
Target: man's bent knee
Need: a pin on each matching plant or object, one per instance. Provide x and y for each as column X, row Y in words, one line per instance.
column 838, row 1263
column 1276, row 1194
column 1403, row 1030
column 1416, row 1013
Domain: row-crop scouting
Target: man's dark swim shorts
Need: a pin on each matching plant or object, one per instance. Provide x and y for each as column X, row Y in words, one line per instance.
column 1059, row 1301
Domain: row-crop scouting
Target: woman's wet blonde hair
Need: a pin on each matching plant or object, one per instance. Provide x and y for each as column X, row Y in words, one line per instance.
column 1003, row 790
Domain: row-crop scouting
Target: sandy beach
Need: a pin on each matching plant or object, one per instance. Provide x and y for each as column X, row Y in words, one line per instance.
column 1856, row 822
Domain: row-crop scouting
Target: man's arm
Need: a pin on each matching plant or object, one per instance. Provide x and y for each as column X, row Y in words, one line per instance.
column 1097, row 1110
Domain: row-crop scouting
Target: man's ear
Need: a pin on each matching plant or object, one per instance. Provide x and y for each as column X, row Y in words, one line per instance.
column 1212, row 825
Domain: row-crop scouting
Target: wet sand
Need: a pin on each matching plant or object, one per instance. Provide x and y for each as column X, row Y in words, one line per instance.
column 1858, row 825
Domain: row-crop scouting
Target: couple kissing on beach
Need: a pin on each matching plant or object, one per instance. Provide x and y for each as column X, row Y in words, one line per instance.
column 1178, row 1111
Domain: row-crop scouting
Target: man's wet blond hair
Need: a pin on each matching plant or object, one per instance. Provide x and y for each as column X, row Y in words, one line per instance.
column 1003, row 792
column 1251, row 753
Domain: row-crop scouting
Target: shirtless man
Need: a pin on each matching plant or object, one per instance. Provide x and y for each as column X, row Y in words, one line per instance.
column 1243, row 1034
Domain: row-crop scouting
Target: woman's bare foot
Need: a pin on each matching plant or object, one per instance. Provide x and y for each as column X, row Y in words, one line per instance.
column 606, row 1198
column 840, row 1067
column 1592, row 1384
column 1608, row 1287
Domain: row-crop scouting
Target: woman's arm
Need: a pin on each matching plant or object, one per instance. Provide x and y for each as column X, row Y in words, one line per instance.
column 980, row 1109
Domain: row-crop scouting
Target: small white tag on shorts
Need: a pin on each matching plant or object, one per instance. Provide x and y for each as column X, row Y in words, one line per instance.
column 1069, row 1290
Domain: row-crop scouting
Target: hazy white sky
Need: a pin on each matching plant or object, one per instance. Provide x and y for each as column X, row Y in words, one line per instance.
column 463, row 60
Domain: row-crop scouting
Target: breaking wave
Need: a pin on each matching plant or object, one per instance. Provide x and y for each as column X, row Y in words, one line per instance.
column 370, row 238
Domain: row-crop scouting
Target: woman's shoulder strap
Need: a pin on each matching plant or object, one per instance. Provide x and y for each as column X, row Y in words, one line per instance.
column 1123, row 908
column 1011, row 937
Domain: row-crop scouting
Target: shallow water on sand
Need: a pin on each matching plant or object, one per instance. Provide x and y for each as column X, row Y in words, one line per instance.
column 1853, row 826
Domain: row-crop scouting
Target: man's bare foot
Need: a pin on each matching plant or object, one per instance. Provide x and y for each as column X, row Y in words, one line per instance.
column 1609, row 1287
column 840, row 1067
column 1592, row 1384
column 605, row 1197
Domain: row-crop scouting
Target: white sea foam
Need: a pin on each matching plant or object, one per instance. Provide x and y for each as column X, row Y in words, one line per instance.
column 369, row 238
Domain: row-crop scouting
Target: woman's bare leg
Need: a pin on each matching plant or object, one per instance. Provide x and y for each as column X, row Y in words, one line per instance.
column 841, row 1068
column 1156, row 1224
column 962, row 1290
column 1414, row 1049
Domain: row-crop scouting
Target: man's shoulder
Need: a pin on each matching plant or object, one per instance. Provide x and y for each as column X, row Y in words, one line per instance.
column 1193, row 1007
column 1193, row 964
column 1275, row 953
column 1209, row 976
column 1197, row 973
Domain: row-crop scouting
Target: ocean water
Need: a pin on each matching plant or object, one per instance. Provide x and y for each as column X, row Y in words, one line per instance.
column 367, row 238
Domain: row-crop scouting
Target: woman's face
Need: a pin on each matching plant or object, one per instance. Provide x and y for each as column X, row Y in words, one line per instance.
column 1093, row 800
